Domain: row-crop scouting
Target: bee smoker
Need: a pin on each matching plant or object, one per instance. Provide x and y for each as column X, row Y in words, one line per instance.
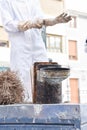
column 47, row 82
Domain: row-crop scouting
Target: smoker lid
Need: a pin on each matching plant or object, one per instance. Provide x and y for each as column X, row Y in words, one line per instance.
column 55, row 68
column 49, row 66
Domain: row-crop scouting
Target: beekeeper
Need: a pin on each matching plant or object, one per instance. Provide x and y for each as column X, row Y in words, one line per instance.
column 22, row 19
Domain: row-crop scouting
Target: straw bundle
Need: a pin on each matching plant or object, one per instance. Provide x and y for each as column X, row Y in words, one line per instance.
column 11, row 90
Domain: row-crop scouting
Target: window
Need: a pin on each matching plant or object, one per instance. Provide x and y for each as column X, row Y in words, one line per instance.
column 74, row 90
column 73, row 22
column 72, row 49
column 54, row 43
column 4, row 44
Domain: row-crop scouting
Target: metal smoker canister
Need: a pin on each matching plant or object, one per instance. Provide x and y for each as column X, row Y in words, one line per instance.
column 48, row 84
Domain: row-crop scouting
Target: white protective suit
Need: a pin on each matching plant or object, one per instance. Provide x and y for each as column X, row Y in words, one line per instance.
column 26, row 47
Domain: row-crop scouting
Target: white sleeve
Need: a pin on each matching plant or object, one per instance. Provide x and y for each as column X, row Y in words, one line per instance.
column 8, row 21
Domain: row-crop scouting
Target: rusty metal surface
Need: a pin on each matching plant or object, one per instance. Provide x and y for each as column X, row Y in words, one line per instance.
column 37, row 67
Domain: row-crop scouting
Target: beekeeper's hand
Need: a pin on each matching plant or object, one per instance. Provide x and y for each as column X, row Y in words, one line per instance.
column 23, row 26
column 63, row 18
column 38, row 23
column 35, row 24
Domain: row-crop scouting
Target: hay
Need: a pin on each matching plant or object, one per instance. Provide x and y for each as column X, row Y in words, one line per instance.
column 11, row 90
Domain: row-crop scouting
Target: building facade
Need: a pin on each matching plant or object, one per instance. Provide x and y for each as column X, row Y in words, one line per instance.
column 66, row 45
column 77, row 35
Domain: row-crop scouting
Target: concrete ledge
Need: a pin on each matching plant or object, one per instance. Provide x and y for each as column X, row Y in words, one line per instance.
column 38, row 117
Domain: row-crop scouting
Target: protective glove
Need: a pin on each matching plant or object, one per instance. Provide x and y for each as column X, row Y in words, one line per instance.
column 23, row 26
column 37, row 24
column 63, row 18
